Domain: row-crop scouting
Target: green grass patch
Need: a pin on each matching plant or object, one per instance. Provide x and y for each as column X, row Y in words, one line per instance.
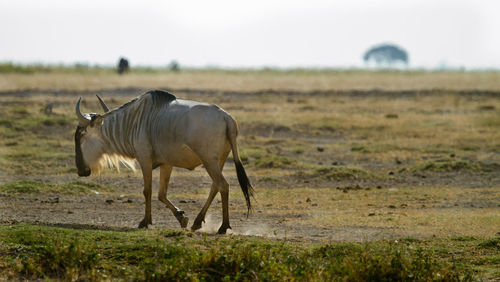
column 491, row 243
column 34, row 187
column 39, row 252
column 274, row 161
column 492, row 120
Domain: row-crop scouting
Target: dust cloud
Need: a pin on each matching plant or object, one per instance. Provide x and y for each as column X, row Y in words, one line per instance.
column 212, row 224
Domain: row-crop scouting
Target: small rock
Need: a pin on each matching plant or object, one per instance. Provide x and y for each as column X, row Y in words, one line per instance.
column 109, row 201
column 398, row 161
column 335, row 163
column 299, row 202
column 392, row 206
column 183, row 201
column 193, row 201
column 314, row 205
column 371, row 214
column 320, row 149
column 404, row 205
column 452, row 155
column 70, row 212
column 379, row 187
column 130, row 201
column 308, row 200
column 269, row 205
column 391, row 172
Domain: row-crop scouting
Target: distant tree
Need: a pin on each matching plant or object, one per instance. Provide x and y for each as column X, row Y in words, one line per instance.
column 386, row 55
column 123, row 65
column 174, row 66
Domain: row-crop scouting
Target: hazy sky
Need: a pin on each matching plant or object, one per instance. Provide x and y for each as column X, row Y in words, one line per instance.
column 249, row 33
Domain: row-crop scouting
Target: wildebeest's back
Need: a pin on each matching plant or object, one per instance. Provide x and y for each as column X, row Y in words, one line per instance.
column 188, row 125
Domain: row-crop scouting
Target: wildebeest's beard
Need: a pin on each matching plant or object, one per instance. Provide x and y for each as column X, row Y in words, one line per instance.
column 83, row 170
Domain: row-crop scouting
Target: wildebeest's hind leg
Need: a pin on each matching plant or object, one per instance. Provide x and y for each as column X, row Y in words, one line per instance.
column 213, row 191
column 165, row 171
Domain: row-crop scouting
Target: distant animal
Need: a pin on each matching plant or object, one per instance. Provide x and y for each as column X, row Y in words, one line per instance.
column 159, row 130
column 123, row 65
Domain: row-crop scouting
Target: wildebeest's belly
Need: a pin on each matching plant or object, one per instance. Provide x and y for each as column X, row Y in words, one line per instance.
column 180, row 156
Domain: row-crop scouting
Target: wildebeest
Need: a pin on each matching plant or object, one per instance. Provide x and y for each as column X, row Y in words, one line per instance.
column 123, row 65
column 159, row 130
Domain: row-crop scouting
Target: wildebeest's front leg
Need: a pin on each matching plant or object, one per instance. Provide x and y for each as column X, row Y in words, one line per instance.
column 147, row 174
column 165, row 171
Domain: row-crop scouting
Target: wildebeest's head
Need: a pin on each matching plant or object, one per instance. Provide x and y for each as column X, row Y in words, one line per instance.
column 89, row 144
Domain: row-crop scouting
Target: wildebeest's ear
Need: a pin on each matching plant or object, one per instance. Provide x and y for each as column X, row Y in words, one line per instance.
column 96, row 120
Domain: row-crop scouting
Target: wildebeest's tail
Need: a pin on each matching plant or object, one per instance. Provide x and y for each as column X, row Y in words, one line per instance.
column 246, row 187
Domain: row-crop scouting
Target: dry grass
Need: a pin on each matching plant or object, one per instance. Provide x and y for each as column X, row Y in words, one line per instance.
column 415, row 212
column 254, row 80
column 280, row 133
column 289, row 140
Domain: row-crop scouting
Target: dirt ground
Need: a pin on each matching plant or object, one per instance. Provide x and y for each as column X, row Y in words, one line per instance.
column 283, row 207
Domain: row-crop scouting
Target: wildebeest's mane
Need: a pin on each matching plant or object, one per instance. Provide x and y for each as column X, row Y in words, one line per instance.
column 159, row 97
column 123, row 106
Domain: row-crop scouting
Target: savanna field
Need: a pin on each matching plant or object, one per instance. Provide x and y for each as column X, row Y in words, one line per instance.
column 358, row 175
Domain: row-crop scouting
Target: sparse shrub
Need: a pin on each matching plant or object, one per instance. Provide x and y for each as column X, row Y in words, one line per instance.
column 55, row 121
column 274, row 161
column 381, row 262
column 491, row 244
column 359, row 148
column 30, row 187
column 22, row 186
column 20, row 111
column 6, row 123
column 69, row 262
column 55, row 253
column 340, row 173
column 448, row 165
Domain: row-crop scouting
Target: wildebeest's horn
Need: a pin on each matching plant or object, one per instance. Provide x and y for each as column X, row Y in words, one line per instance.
column 81, row 118
column 104, row 107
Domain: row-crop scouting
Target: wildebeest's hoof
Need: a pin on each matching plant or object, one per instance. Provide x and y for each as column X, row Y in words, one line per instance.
column 143, row 224
column 183, row 220
column 223, row 229
column 195, row 226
